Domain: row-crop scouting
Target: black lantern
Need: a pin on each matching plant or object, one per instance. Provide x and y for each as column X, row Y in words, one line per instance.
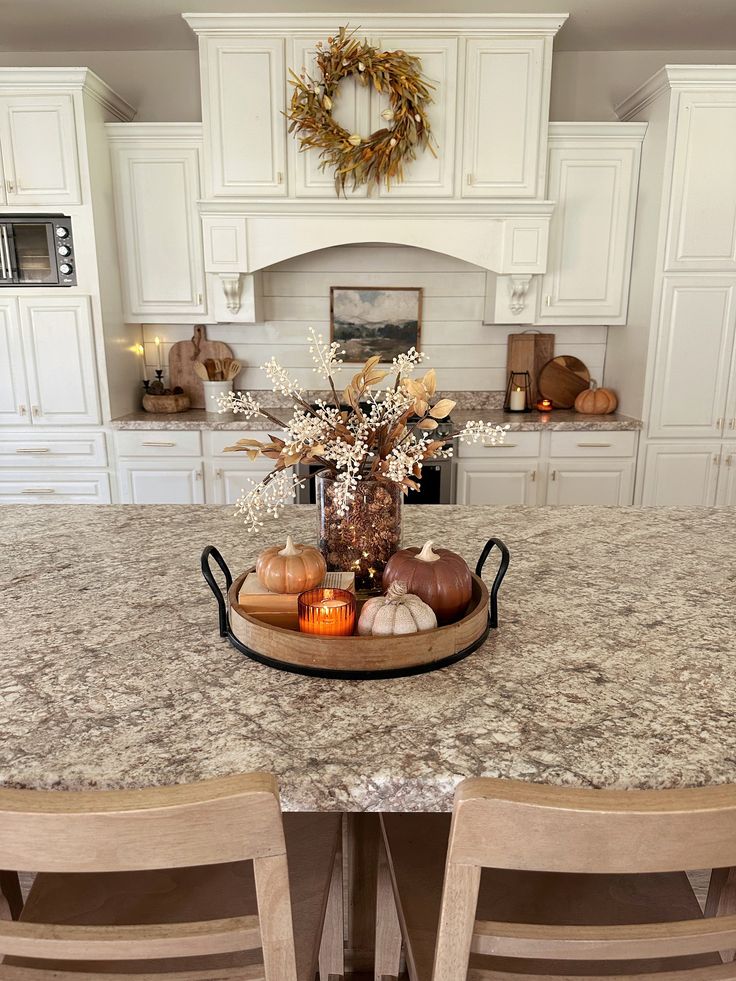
column 518, row 392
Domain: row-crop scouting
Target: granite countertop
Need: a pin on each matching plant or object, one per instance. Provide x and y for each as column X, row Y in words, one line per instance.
column 613, row 664
column 560, row 420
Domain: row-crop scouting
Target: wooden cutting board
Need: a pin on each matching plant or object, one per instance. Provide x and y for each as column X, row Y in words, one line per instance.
column 182, row 356
column 529, row 351
column 562, row 379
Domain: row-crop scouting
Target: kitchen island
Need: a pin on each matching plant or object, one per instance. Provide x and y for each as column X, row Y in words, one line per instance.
column 613, row 664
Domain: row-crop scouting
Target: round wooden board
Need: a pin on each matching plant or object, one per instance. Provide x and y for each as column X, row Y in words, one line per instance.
column 359, row 657
column 562, row 379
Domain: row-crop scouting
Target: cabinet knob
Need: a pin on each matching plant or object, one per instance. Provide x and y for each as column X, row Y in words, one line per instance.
column 279, row 178
column 717, row 459
column 198, row 475
column 218, row 473
column 35, row 411
column 22, row 410
column 554, row 475
column 533, row 476
column 10, row 186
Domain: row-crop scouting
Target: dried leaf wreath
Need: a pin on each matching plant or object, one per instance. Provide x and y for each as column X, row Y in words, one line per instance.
column 380, row 157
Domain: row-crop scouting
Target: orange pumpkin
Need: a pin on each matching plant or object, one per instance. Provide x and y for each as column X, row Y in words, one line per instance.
column 438, row 576
column 290, row 568
column 596, row 401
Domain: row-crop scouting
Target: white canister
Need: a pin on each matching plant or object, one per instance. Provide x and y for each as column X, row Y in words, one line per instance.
column 212, row 392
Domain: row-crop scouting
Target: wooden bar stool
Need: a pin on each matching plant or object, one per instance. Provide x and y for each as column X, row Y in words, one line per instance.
column 530, row 881
column 195, row 881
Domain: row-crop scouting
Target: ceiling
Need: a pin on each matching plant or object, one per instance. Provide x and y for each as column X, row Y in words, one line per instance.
column 594, row 25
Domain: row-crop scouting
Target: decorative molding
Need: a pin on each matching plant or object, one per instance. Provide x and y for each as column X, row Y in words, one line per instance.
column 675, row 77
column 27, row 81
column 518, row 287
column 589, row 133
column 231, row 288
column 420, row 25
column 490, row 209
column 156, row 133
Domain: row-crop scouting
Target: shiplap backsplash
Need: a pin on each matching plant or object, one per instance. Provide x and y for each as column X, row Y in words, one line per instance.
column 468, row 354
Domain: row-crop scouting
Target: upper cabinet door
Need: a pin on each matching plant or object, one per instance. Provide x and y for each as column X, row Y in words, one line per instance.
column 693, row 357
column 592, row 231
column 159, row 232
column 506, row 113
column 14, row 401
column 702, row 229
column 243, row 101
column 351, row 110
column 429, row 175
column 38, row 143
column 60, row 360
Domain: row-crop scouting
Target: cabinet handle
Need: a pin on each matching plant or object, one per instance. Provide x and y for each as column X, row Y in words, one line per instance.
column 22, row 410
column 533, row 476
column 717, row 459
column 199, row 299
column 218, row 474
column 35, row 411
column 729, row 459
column 10, row 186
column 592, row 445
column 554, row 475
column 38, row 490
column 279, row 178
column 548, row 300
column 33, row 450
column 159, row 442
column 469, row 179
column 732, row 423
column 198, row 475
column 500, row 446
column 719, row 423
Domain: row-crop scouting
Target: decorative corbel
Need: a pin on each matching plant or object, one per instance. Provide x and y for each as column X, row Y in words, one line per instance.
column 231, row 288
column 518, row 288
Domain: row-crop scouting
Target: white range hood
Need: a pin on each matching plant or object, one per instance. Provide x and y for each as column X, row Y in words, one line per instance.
column 482, row 199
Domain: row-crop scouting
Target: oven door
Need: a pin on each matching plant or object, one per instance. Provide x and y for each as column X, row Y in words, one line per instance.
column 437, row 485
column 29, row 250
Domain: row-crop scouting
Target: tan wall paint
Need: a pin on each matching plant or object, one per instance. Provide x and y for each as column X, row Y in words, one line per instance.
column 164, row 85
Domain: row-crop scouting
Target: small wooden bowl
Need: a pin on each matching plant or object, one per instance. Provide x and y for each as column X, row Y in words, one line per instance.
column 274, row 639
column 166, row 403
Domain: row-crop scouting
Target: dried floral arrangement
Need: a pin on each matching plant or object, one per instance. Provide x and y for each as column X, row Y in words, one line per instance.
column 379, row 158
column 367, row 433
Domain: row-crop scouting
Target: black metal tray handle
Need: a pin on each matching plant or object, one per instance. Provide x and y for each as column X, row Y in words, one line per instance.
column 221, row 597
column 503, row 566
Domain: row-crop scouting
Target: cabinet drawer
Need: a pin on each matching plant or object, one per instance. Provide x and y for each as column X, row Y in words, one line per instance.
column 27, row 487
column 158, row 443
column 217, row 441
column 33, row 449
column 593, row 444
column 515, row 444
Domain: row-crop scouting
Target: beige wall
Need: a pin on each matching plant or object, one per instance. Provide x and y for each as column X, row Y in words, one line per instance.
column 164, row 85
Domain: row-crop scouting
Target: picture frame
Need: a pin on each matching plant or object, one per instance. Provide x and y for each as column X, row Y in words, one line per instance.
column 375, row 320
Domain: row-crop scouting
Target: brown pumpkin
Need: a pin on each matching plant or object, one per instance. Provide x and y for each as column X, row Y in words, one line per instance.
column 438, row 576
column 596, row 401
column 290, row 568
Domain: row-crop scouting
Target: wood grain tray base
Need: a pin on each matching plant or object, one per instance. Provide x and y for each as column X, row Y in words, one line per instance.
column 357, row 658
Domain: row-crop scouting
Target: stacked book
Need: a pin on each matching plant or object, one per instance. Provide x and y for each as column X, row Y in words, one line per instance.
column 260, row 602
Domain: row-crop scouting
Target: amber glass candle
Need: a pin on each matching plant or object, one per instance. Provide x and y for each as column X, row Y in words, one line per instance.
column 330, row 612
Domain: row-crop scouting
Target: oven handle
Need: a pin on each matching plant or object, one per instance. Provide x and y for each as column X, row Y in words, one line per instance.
column 7, row 268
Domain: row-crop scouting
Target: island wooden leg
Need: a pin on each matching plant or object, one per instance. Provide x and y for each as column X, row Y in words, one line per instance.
column 332, row 948
column 388, row 931
column 11, row 898
column 721, row 899
column 361, row 852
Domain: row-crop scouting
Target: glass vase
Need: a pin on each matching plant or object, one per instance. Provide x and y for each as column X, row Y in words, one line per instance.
column 364, row 539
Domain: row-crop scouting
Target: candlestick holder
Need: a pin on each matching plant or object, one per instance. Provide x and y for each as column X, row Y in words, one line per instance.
column 518, row 392
column 325, row 611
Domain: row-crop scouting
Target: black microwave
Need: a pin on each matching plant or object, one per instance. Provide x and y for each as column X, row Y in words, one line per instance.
column 37, row 250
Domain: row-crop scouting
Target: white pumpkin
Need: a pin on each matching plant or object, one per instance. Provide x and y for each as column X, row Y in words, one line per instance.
column 398, row 612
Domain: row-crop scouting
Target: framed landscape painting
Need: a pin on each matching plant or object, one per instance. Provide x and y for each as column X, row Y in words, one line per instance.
column 380, row 320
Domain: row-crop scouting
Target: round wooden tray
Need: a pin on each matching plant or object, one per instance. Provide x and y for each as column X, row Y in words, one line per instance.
column 356, row 657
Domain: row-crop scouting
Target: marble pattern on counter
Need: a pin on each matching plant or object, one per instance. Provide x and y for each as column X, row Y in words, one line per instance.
column 561, row 420
column 613, row 664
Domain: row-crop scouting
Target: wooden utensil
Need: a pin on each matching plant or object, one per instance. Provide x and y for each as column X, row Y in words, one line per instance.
column 232, row 368
column 201, row 371
column 184, row 355
column 529, row 351
column 562, row 379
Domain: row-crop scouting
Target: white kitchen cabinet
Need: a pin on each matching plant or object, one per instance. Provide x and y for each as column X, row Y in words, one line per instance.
column 225, row 483
column 243, row 100
column 702, row 228
column 52, row 449
column 593, row 176
column 156, row 177
column 694, row 361
column 505, row 481
column 681, row 473
column 726, row 490
column 590, row 482
column 506, row 112
column 14, row 401
column 38, row 145
column 57, row 487
column 154, row 482
column 59, row 357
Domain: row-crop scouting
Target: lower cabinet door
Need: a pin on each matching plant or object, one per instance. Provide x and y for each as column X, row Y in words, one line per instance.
column 588, row 482
column 57, row 487
column 681, row 473
column 225, row 484
column 726, row 494
column 483, row 482
column 151, row 482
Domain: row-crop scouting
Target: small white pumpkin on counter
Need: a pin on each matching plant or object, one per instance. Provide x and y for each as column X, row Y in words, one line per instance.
column 398, row 612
